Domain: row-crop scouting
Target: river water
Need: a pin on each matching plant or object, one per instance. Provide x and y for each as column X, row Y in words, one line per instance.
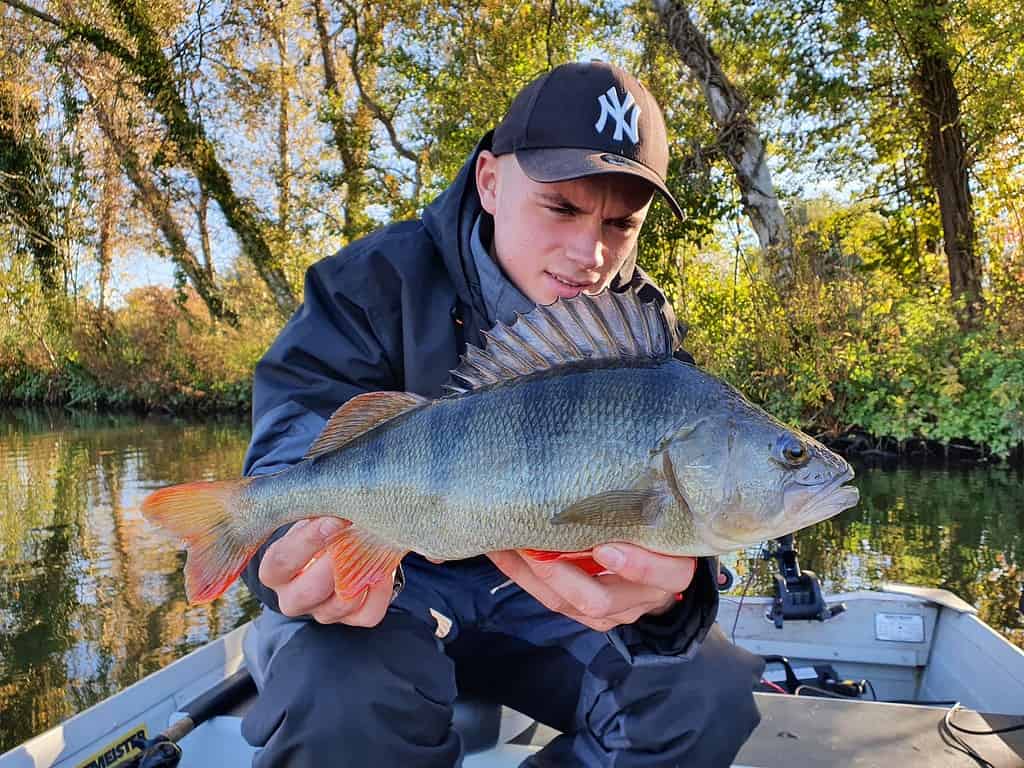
column 92, row 598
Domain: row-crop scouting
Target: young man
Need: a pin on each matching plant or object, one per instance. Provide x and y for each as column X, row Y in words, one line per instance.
column 550, row 204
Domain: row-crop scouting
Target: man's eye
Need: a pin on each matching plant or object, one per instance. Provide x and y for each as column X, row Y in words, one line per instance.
column 625, row 226
column 561, row 210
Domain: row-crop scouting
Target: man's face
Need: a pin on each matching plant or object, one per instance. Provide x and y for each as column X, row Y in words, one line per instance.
column 556, row 240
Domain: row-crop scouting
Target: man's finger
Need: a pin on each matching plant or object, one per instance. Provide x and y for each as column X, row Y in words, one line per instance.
column 636, row 564
column 374, row 606
column 565, row 589
column 307, row 591
column 603, row 597
column 336, row 609
column 288, row 555
column 515, row 566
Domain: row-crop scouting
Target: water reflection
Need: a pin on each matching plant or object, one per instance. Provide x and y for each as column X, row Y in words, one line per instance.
column 959, row 529
column 92, row 598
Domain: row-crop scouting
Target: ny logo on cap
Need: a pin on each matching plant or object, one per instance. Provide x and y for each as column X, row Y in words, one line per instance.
column 610, row 105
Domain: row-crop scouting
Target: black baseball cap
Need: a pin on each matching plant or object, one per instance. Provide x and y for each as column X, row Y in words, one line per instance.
column 583, row 119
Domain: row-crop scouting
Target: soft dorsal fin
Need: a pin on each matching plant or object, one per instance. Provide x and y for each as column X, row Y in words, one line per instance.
column 606, row 326
column 359, row 415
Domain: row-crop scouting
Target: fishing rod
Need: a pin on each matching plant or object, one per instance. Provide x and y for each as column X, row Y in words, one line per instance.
column 163, row 751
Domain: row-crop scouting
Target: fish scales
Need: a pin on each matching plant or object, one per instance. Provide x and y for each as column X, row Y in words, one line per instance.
column 490, row 469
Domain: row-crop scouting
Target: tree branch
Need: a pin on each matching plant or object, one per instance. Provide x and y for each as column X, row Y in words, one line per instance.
column 375, row 109
column 75, row 29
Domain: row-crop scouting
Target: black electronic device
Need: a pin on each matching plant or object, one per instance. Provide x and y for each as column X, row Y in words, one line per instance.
column 797, row 593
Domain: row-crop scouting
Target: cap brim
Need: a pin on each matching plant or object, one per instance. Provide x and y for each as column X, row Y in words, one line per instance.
column 565, row 164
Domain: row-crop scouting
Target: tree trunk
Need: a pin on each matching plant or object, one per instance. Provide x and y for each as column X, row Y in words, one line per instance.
column 737, row 135
column 284, row 165
column 26, row 191
column 949, row 163
column 351, row 135
column 109, row 195
column 204, row 232
column 158, row 205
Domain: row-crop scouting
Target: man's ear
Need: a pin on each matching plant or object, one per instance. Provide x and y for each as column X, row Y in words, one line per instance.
column 487, row 180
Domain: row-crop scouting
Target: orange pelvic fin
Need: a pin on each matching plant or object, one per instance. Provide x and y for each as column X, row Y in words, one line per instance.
column 203, row 516
column 583, row 559
column 361, row 560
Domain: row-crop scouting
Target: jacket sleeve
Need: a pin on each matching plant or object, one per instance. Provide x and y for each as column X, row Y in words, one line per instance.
column 327, row 353
column 679, row 632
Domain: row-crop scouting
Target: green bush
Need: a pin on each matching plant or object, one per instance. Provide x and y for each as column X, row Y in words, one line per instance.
column 155, row 352
column 865, row 351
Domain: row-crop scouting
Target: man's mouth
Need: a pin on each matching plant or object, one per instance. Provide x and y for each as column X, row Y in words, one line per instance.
column 571, row 283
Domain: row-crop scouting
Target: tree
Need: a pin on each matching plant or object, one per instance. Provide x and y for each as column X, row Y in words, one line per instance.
column 160, row 208
column 738, row 137
column 950, row 164
column 903, row 102
column 26, row 188
column 156, row 79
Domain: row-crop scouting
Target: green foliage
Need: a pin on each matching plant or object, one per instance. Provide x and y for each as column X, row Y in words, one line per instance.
column 858, row 351
column 155, row 353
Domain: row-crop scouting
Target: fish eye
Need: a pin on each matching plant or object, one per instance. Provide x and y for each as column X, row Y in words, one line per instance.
column 793, row 452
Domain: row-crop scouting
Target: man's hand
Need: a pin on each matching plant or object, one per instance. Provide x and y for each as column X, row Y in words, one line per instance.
column 305, row 585
column 641, row 583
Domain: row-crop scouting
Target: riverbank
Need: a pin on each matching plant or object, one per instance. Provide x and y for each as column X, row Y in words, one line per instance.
column 235, row 401
column 865, row 366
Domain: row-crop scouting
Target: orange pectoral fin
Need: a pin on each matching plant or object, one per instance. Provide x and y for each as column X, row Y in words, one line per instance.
column 582, row 559
column 361, row 560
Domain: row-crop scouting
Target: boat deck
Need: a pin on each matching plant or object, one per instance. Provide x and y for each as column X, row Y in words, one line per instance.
column 909, row 645
column 805, row 732
column 815, row 733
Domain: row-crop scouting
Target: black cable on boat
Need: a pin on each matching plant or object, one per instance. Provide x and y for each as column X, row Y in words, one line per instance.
column 743, row 594
column 162, row 751
column 988, row 732
column 951, row 739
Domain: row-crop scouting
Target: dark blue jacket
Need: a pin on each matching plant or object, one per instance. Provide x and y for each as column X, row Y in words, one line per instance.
column 393, row 311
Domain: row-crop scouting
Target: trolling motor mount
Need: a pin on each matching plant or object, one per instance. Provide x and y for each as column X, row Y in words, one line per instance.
column 797, row 593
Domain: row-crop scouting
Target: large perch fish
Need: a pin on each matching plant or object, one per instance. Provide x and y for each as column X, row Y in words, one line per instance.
column 574, row 427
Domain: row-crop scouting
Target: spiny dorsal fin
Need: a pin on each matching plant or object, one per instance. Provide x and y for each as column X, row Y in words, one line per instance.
column 606, row 326
column 359, row 415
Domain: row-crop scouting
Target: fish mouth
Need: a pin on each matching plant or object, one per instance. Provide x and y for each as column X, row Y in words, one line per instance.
column 819, row 502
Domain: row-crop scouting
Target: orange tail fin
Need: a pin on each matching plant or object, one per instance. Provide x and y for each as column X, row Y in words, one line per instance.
column 582, row 560
column 202, row 514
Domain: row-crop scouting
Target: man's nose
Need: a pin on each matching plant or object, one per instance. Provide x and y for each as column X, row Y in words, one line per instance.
column 588, row 250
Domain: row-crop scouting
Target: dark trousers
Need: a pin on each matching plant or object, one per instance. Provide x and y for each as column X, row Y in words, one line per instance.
column 382, row 697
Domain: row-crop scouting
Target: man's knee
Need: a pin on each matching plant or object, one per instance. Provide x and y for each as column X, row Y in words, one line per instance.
column 729, row 675
column 698, row 712
column 357, row 696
